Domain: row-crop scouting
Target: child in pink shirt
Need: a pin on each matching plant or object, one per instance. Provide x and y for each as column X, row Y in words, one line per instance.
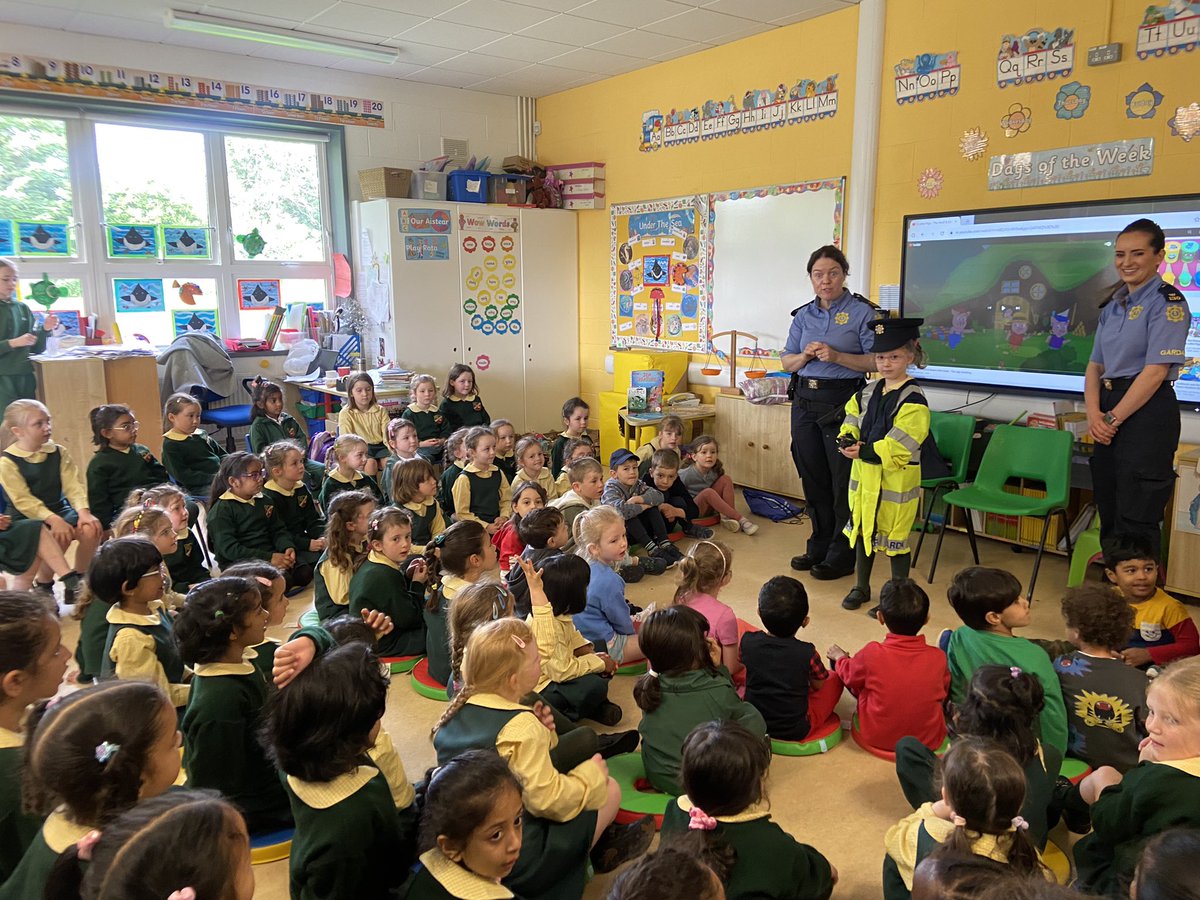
column 706, row 569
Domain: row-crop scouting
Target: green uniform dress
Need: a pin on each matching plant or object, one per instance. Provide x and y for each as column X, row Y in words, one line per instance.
column 507, row 465
column 221, row 750
column 186, row 564
column 770, row 862
column 553, row 853
column 465, row 413
column 440, row 878
column 301, row 517
column 93, row 632
column 245, row 529
column 380, row 584
column 192, row 460
column 263, row 659
column 19, row 545
column 335, row 484
column 445, row 496
column 113, row 473
column 17, row 381
column 431, row 425
column 56, row 835
column 689, row 699
column 41, row 484
column 17, row 828
column 265, row 431
column 427, row 523
column 1151, row 798
column 488, row 493
column 167, row 669
column 557, row 449
column 331, row 587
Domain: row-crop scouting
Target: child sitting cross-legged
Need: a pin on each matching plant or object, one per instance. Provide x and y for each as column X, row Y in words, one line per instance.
column 600, row 540
column 786, row 682
column 414, row 487
column 686, row 687
column 724, row 775
column 991, row 606
column 638, row 506
column 362, row 415
column 706, row 569
column 392, row 582
column 678, row 507
column 544, row 533
column 531, row 466
column 571, row 667
column 402, row 441
column 189, row 454
column 344, row 470
column 574, row 450
column 1105, row 697
column 526, row 497
column 902, row 683
column 345, row 550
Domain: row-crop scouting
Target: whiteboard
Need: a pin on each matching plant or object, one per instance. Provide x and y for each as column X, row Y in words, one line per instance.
column 760, row 241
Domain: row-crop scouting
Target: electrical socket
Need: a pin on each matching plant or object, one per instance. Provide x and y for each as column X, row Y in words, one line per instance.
column 1104, row 54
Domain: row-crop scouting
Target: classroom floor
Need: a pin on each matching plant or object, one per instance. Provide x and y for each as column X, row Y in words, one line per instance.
column 841, row 802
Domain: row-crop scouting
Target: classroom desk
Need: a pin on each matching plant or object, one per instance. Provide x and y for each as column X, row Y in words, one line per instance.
column 633, row 423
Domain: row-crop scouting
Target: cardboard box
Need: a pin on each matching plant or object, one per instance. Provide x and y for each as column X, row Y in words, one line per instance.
column 583, row 188
column 385, row 182
column 518, row 164
column 577, row 171
column 590, row 202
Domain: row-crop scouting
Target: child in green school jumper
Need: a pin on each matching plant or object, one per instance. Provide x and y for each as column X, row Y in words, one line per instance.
column 415, row 489
column 481, row 492
column 345, row 551
column 347, row 457
column 351, row 801
column 458, row 557
column 20, row 337
column 402, row 441
column 393, row 582
column 243, row 524
column 575, row 414
column 506, row 442
column 293, row 502
column 269, row 424
column 120, row 465
column 723, row 774
column 272, row 591
column 189, row 454
column 461, row 404
column 456, row 461
column 35, row 656
column 432, row 426
column 221, row 619
column 186, row 562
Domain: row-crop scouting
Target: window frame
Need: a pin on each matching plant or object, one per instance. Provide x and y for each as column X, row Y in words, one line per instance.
column 96, row 270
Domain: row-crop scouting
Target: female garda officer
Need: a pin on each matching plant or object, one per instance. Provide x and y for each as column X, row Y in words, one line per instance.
column 1131, row 408
column 827, row 351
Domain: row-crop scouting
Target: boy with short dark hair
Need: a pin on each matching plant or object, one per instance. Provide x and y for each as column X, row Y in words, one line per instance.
column 678, row 507
column 785, row 678
column 544, row 534
column 638, row 505
column 991, row 606
column 1104, row 697
column 1162, row 628
column 901, row 683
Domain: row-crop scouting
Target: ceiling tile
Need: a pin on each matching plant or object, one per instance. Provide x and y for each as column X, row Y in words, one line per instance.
column 414, row 7
column 252, row 18
column 483, row 65
column 538, row 85
column 369, row 20
column 528, row 49
column 133, row 9
column 421, row 54
column 812, row 9
column 295, row 10
column 129, row 29
column 573, row 30
column 384, row 70
column 684, row 51
column 448, row 34
column 554, row 5
column 748, row 30
column 497, row 14
column 586, row 60
column 700, row 25
column 445, row 77
column 761, row 10
column 633, row 13
column 29, row 14
column 643, row 43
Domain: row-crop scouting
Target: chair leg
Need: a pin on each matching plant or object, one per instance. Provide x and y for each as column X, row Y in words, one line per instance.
column 938, row 549
column 925, row 525
column 1066, row 531
column 971, row 535
column 1037, row 562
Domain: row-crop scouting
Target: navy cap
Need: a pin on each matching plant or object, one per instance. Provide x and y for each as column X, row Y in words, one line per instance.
column 620, row 456
column 892, row 334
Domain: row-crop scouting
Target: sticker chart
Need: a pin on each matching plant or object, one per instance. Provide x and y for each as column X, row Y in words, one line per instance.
column 491, row 273
column 658, row 273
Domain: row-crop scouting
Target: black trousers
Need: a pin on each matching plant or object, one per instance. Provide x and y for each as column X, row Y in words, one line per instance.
column 1133, row 477
column 824, row 472
column 648, row 528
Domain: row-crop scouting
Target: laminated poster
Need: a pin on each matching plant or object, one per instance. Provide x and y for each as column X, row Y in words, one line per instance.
column 491, row 272
column 926, row 76
column 1035, row 55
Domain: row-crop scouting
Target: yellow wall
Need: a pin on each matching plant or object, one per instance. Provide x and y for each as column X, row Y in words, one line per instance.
column 602, row 122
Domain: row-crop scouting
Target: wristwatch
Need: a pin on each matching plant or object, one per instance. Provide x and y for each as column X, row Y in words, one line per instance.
column 1110, row 419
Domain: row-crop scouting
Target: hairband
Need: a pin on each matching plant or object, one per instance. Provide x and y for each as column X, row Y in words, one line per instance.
column 439, row 539
column 265, row 582
column 137, row 520
column 83, row 846
column 105, row 751
column 699, row 820
column 959, row 821
column 186, row 893
column 1015, row 671
column 1019, row 823
column 516, row 640
column 717, row 547
column 218, row 613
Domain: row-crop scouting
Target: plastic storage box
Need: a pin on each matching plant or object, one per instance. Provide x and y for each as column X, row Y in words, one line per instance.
column 428, row 186
column 510, row 189
column 469, row 187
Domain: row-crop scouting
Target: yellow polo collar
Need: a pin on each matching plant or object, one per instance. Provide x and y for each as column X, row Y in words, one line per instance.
column 324, row 794
column 118, row 616
column 460, row 881
column 376, row 557
column 273, row 485
column 230, row 495
column 759, row 810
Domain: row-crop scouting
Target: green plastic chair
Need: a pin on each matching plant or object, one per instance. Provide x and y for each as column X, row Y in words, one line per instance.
column 1034, row 454
column 952, row 433
column 1087, row 548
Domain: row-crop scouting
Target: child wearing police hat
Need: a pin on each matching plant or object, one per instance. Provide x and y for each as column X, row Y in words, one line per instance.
column 886, row 423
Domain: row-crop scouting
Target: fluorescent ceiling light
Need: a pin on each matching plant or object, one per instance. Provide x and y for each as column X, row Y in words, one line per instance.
column 278, row 37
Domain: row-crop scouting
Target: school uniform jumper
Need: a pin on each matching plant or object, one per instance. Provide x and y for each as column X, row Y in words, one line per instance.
column 427, row 522
column 644, row 524
column 431, row 425
column 17, row 828
column 437, row 628
column 113, row 473
column 265, row 431
column 560, row 807
column 186, row 564
column 42, row 483
column 300, row 515
column 440, row 878
column 572, row 684
column 788, row 684
column 336, row 483
column 1106, row 709
column 142, row 648
column 370, row 424
column 331, row 587
column 241, row 529
column 464, row 412
column 221, row 751
column 192, row 460
column 380, row 584
column 30, row 877
column 689, row 699
column 93, row 632
column 17, row 381
column 445, row 494
column 770, row 862
column 480, row 495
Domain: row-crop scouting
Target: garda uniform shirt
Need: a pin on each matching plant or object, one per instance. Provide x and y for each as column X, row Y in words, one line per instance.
column 845, row 326
column 1146, row 326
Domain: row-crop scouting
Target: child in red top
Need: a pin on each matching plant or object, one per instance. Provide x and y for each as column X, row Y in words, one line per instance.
column 901, row 683
column 526, row 497
column 1163, row 629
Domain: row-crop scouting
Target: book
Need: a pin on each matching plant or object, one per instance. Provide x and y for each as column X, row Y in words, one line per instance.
column 645, row 391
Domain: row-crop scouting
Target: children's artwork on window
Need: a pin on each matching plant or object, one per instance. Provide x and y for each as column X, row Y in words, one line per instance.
column 68, row 322
column 43, row 239
column 133, row 241
column 185, row 242
column 139, row 294
column 203, row 320
column 188, row 291
column 6, row 238
column 258, row 294
column 253, row 242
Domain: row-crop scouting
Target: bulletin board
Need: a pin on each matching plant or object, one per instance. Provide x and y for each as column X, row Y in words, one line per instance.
column 658, row 274
column 759, row 240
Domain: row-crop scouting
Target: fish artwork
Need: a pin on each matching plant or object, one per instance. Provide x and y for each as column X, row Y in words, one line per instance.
column 188, row 291
column 133, row 240
column 195, row 323
column 185, row 243
column 40, row 239
column 252, row 242
column 139, row 296
column 257, row 296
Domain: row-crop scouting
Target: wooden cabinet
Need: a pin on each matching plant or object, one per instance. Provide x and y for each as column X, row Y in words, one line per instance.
column 756, row 445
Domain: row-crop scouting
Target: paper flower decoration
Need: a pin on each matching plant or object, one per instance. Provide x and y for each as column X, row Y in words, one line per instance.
column 1186, row 121
column 973, row 143
column 1017, row 120
column 1142, row 102
column 929, row 185
column 1072, row 100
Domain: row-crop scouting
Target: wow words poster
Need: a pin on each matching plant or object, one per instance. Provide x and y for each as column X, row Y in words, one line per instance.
column 491, row 272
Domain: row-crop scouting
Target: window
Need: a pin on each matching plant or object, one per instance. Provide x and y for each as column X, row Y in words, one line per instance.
column 150, row 208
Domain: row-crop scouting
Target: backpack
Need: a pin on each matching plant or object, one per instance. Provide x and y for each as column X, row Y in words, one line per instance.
column 319, row 446
column 772, row 506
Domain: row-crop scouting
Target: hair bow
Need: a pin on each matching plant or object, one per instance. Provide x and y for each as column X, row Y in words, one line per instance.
column 186, row 893
column 1020, row 824
column 83, row 846
column 700, row 820
column 1015, row 671
column 105, row 751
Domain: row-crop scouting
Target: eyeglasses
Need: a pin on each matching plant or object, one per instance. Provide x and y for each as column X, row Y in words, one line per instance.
column 257, row 474
column 160, row 572
column 129, row 426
